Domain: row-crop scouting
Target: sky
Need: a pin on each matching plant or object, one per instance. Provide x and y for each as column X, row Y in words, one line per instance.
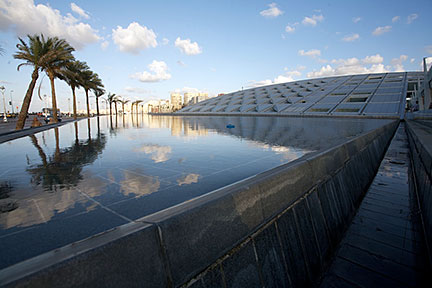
column 144, row 50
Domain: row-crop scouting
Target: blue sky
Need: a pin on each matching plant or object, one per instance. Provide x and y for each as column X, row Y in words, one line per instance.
column 147, row 49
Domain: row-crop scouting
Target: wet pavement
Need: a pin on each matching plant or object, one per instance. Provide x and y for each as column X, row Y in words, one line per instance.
column 384, row 245
column 69, row 183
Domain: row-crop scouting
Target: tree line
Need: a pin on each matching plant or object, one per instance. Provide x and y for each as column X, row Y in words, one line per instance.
column 53, row 56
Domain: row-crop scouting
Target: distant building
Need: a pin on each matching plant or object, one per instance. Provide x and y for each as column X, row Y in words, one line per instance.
column 193, row 98
column 176, row 101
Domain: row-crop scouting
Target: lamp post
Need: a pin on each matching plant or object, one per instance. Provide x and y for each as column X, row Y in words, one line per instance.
column 2, row 88
column 11, row 102
column 69, row 110
column 45, row 110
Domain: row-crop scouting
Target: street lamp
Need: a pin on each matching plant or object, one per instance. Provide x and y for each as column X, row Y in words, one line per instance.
column 69, row 110
column 11, row 102
column 2, row 88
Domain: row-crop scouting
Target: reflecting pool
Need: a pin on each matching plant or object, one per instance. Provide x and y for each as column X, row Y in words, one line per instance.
column 83, row 178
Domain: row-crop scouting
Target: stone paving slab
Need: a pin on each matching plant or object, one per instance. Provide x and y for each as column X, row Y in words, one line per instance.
column 384, row 245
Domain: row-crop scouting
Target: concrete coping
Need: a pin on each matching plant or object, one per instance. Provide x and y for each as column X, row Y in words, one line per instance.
column 195, row 232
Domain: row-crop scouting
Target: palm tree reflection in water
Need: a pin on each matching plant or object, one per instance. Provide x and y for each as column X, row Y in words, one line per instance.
column 64, row 168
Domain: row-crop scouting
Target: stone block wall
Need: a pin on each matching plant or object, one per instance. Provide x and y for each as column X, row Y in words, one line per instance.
column 420, row 141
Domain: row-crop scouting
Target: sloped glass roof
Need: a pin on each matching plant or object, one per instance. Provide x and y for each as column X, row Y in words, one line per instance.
column 357, row 95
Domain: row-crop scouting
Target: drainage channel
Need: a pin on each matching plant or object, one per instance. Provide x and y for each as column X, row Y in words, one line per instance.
column 384, row 245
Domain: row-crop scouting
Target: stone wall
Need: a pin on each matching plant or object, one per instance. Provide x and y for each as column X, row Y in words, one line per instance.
column 420, row 140
column 278, row 228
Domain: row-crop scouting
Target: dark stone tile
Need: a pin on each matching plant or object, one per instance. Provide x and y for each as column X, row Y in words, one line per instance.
column 308, row 238
column 388, row 204
column 382, row 250
column 195, row 233
column 401, row 222
column 119, row 258
column 320, row 225
column 213, row 278
column 284, row 185
column 270, row 258
column 293, row 249
column 400, row 273
column 374, row 223
column 360, row 276
column 332, row 281
column 395, row 212
column 375, row 233
column 330, row 210
column 241, row 269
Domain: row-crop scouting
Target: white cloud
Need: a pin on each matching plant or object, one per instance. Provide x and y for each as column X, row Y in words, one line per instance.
column 328, row 70
column 189, row 90
column 181, row 63
column 412, row 60
column 312, row 21
column 165, row 41
column 188, row 179
column 158, row 72
column 75, row 8
column 395, row 19
column 272, row 12
column 356, row 19
column 289, row 29
column 382, row 29
column 157, row 153
column 397, row 63
column 311, row 53
column 351, row 38
column 411, row 18
column 429, row 49
column 369, row 64
column 134, row 38
column 24, row 17
column 288, row 76
column 373, row 59
column 104, row 45
column 188, row 47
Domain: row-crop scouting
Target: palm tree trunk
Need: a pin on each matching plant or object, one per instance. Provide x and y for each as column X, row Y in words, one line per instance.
column 40, row 150
column 74, row 102
column 110, row 108
column 88, row 104
column 54, row 99
column 115, row 103
column 57, row 141
column 76, row 133
column 27, row 99
column 97, row 106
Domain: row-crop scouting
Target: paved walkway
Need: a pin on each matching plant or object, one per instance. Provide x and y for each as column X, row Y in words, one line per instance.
column 8, row 132
column 383, row 246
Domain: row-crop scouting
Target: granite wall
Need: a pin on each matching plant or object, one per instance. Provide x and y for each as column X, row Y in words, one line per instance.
column 420, row 141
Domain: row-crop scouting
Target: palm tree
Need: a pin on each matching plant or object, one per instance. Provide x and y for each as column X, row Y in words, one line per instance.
column 90, row 80
column 136, row 105
column 111, row 99
column 123, row 102
column 98, row 93
column 39, row 53
column 62, row 52
column 116, row 100
column 71, row 73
